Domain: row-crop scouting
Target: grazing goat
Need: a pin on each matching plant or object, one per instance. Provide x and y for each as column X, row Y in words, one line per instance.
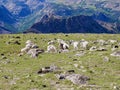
column 63, row 45
column 24, row 50
column 75, row 45
column 28, row 42
column 51, row 48
column 51, row 42
column 84, row 44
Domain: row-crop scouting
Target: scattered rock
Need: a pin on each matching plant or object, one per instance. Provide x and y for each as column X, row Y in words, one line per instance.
column 76, row 65
column 2, row 54
column 116, row 46
column 17, row 42
column 80, row 54
column 74, row 78
column 35, row 38
column 71, row 71
column 116, row 87
column 6, row 77
column 57, row 82
column 93, row 48
column 4, row 57
column 74, row 59
column 34, row 89
column 12, row 82
column 77, row 79
column 101, row 49
column 20, row 54
column 113, row 49
column 55, row 38
column 13, row 42
column 66, row 35
column 32, row 81
column 106, row 59
column 8, row 42
column 60, row 76
column 81, row 67
column 18, row 37
column 52, row 68
column 84, row 70
column 69, row 57
column 117, row 53
column 44, row 86
column 8, row 61
column 91, row 71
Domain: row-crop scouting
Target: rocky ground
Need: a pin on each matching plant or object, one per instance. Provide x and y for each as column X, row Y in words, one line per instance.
column 96, row 67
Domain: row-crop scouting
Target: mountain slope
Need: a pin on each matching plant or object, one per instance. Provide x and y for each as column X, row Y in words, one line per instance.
column 7, row 20
column 4, row 30
column 6, row 16
column 75, row 24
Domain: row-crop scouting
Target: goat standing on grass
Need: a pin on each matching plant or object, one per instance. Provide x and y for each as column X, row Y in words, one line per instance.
column 63, row 45
column 28, row 46
column 51, row 49
column 84, row 44
column 75, row 45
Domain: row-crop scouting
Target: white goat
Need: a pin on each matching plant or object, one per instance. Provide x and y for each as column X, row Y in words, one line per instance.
column 84, row 44
column 75, row 45
column 51, row 42
column 27, row 47
column 112, row 41
column 51, row 48
column 63, row 45
column 28, row 42
column 101, row 42
column 25, row 50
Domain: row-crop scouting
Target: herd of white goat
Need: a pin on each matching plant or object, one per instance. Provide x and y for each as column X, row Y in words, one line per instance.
column 64, row 46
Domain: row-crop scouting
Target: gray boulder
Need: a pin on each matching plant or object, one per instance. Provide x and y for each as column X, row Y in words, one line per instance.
column 117, row 53
column 74, row 78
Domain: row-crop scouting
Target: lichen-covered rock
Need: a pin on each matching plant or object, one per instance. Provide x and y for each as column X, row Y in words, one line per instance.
column 77, row 78
column 74, row 78
column 48, row 69
column 117, row 53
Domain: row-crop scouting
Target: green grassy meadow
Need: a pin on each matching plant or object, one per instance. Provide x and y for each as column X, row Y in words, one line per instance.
column 20, row 73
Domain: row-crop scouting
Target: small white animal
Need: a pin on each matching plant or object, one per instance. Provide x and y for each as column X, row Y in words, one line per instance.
column 51, row 48
column 75, row 45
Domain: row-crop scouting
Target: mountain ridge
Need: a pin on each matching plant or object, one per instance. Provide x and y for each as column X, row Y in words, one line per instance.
column 25, row 13
column 74, row 24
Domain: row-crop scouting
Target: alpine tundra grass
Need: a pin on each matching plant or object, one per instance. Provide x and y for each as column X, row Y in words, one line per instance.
column 20, row 73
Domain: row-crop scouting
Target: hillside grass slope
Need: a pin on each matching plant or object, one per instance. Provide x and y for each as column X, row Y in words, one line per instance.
column 20, row 73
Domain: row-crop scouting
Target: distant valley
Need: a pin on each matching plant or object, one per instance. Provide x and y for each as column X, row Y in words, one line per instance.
column 22, row 15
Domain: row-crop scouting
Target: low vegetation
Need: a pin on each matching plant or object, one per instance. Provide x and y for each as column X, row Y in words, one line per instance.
column 21, row 72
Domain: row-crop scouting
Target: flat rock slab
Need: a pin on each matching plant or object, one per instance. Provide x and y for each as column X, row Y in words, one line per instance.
column 74, row 78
